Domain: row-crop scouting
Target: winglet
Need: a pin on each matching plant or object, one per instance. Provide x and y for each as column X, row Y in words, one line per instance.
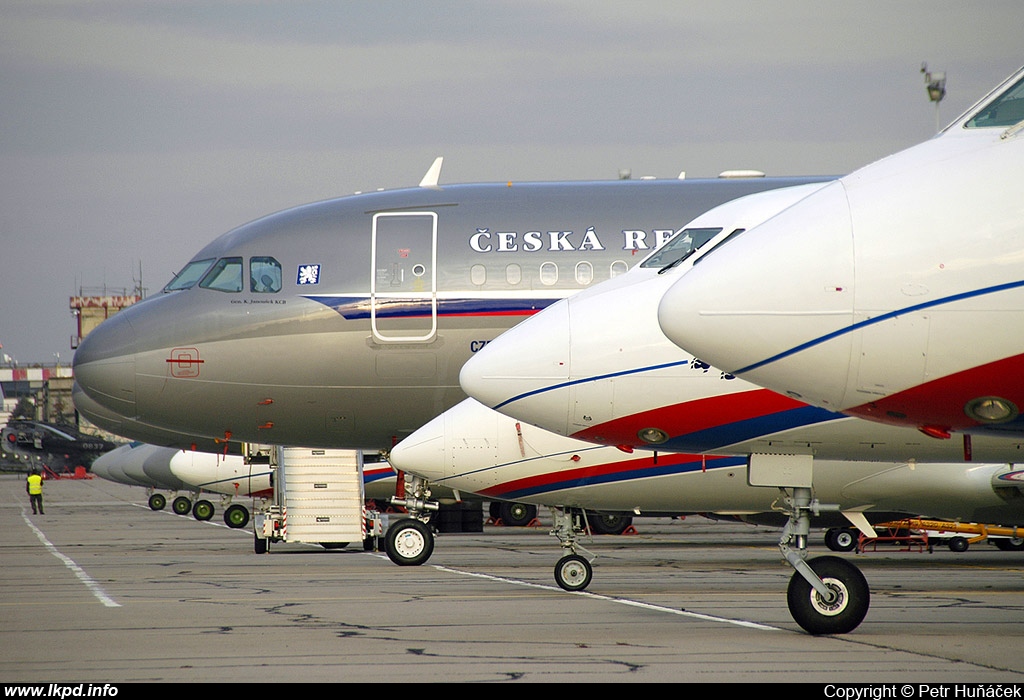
column 433, row 174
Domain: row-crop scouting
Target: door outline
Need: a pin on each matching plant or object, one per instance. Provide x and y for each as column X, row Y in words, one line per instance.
column 379, row 297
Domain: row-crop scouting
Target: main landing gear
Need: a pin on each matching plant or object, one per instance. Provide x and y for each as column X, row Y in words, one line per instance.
column 235, row 515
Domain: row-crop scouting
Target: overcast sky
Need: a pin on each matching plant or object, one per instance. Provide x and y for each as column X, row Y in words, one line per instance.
column 132, row 133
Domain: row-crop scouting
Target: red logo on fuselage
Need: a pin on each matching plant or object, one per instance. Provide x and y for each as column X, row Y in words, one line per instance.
column 184, row 362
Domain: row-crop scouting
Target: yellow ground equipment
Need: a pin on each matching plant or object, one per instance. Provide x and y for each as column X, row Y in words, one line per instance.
column 921, row 534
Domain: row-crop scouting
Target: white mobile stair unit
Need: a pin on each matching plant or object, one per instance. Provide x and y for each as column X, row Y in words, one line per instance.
column 318, row 499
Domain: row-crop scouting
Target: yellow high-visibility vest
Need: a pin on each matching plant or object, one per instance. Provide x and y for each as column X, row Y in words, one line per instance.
column 35, row 484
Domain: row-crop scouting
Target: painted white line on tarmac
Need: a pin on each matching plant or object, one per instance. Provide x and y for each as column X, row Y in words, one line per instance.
column 621, row 601
column 68, row 562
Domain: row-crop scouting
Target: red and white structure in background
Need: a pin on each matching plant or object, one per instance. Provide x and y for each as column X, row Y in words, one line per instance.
column 91, row 311
column 33, row 374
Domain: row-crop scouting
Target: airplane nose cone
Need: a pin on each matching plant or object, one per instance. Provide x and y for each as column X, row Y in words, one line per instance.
column 156, row 465
column 101, row 466
column 104, row 365
column 191, row 467
column 423, row 453
column 772, row 295
column 512, row 371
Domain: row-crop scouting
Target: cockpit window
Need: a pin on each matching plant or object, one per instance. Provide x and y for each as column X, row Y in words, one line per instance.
column 1007, row 110
column 189, row 275
column 264, row 275
column 225, row 276
column 680, row 246
column 718, row 246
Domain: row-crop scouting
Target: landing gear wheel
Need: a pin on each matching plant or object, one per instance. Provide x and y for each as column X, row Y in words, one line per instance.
column 573, row 572
column 202, row 510
column 157, row 501
column 517, row 514
column 1012, row 544
column 841, row 539
column 608, row 523
column 842, row 615
column 409, row 542
column 260, row 545
column 181, row 505
column 958, row 544
column 236, row 516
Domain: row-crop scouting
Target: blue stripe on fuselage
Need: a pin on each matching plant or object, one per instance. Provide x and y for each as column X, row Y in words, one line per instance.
column 753, row 428
column 880, row 319
column 620, row 476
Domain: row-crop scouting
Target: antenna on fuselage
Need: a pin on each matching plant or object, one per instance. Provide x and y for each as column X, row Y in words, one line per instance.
column 433, row 174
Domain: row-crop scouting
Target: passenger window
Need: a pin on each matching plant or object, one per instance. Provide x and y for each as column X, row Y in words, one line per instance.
column 619, row 267
column 548, row 273
column 225, row 276
column 189, row 275
column 584, row 273
column 264, row 275
column 513, row 273
column 478, row 274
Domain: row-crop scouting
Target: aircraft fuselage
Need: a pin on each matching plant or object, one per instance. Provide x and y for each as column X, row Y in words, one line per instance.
column 345, row 323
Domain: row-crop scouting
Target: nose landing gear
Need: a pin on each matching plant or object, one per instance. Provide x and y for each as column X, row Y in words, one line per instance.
column 827, row 595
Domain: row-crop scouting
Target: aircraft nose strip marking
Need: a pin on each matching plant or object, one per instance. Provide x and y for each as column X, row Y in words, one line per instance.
column 585, row 380
column 878, row 319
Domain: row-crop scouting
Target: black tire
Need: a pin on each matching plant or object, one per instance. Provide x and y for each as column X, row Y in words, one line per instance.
column 259, row 544
column 202, row 510
column 409, row 542
column 157, row 501
column 842, row 616
column 517, row 514
column 494, row 509
column 1011, row 544
column 181, row 505
column 958, row 544
column 608, row 523
column 236, row 516
column 573, row 572
column 841, row 539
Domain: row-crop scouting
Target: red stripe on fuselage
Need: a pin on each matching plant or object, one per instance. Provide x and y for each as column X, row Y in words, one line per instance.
column 941, row 402
column 690, row 417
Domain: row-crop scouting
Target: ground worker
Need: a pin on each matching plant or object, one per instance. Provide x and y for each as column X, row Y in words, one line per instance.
column 34, row 488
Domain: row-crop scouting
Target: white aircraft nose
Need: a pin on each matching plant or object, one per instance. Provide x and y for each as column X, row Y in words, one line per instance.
column 423, row 453
column 772, row 297
column 522, row 364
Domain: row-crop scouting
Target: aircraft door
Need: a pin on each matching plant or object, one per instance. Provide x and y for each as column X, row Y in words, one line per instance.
column 403, row 278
